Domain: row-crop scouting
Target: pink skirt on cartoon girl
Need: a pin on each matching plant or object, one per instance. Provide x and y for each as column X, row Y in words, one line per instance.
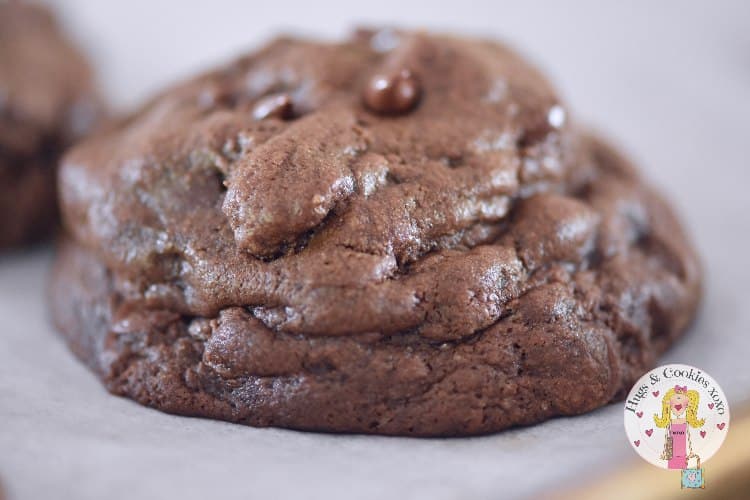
column 679, row 446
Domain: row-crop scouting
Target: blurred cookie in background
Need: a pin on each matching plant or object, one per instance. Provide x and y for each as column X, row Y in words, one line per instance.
column 47, row 101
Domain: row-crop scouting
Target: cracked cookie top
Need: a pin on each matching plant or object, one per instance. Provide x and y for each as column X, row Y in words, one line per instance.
column 395, row 182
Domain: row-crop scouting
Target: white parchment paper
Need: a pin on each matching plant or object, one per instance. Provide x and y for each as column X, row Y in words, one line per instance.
column 670, row 80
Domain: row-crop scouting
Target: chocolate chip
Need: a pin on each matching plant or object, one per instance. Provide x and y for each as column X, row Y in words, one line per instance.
column 556, row 116
column 392, row 94
column 538, row 125
column 274, row 106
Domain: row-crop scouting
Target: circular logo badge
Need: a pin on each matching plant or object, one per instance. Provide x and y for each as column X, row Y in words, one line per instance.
column 676, row 416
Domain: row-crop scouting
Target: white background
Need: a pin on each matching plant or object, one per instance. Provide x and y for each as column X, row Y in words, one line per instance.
column 669, row 80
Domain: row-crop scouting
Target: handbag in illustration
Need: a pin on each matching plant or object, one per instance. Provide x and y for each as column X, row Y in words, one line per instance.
column 693, row 478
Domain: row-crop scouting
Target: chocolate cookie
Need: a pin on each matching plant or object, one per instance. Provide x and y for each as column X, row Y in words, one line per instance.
column 399, row 234
column 46, row 101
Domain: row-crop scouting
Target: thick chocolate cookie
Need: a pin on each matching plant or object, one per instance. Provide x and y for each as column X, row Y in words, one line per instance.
column 46, row 101
column 399, row 234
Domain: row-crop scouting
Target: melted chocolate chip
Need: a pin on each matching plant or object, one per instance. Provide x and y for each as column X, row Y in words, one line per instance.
column 539, row 125
column 274, row 106
column 392, row 94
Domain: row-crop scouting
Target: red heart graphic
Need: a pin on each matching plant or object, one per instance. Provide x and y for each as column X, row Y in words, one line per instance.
column 656, row 394
column 678, row 407
column 721, row 426
column 640, row 414
column 703, row 434
column 637, row 443
column 649, row 432
column 710, row 406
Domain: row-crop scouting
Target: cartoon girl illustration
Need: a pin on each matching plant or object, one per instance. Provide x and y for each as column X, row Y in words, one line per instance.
column 679, row 412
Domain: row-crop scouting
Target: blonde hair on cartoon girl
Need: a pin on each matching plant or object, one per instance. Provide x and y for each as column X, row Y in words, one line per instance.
column 691, row 412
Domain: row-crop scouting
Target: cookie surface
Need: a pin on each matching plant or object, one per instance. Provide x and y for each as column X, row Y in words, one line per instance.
column 399, row 234
column 46, row 101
